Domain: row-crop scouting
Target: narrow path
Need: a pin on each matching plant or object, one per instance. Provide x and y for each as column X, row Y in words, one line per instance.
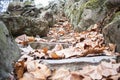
column 62, row 42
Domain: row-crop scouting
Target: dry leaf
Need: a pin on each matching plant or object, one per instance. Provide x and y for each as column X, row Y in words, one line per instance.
column 31, row 66
column 96, row 75
column 38, row 75
column 76, row 76
column 112, row 47
column 106, row 65
column 86, row 78
column 54, row 55
column 57, row 47
column 30, row 39
column 27, row 76
column 44, row 70
column 88, row 70
column 44, row 50
column 106, row 73
column 19, row 69
column 22, row 39
column 60, row 74
column 116, row 77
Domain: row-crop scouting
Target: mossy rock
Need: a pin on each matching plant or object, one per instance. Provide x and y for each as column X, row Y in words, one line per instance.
column 9, row 52
column 112, row 30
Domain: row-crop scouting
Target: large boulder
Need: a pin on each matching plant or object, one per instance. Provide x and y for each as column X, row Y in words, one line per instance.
column 84, row 13
column 18, row 25
column 9, row 52
column 112, row 31
column 21, row 18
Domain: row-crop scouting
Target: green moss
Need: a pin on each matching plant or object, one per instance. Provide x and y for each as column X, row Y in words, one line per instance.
column 116, row 16
column 80, row 12
column 93, row 4
column 27, row 2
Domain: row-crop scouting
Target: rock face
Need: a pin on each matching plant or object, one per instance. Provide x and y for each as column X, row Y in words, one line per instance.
column 83, row 14
column 26, row 25
column 112, row 31
column 27, row 19
column 9, row 52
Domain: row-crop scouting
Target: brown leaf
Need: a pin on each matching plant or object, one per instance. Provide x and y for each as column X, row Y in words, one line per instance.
column 31, row 66
column 116, row 77
column 76, row 76
column 27, row 76
column 93, row 51
column 38, row 75
column 96, row 75
column 19, row 69
column 54, row 55
column 106, row 65
column 44, row 50
column 30, row 39
column 106, row 73
column 57, row 47
column 22, row 39
column 60, row 74
column 86, row 78
column 112, row 47
column 44, row 70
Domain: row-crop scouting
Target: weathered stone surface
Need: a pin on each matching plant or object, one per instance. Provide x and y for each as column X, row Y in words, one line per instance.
column 77, row 63
column 27, row 19
column 112, row 31
column 47, row 15
column 18, row 25
column 48, row 45
column 85, row 13
column 9, row 52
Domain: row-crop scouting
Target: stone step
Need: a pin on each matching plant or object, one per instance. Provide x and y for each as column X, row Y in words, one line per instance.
column 77, row 63
column 49, row 45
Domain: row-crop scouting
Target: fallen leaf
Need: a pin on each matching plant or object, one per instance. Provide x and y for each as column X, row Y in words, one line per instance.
column 76, row 76
column 44, row 50
column 57, row 47
column 112, row 47
column 31, row 66
column 54, row 55
column 27, row 76
column 60, row 74
column 38, row 75
column 30, row 39
column 106, row 73
column 44, row 70
column 96, row 75
column 22, row 39
column 19, row 69
column 86, row 78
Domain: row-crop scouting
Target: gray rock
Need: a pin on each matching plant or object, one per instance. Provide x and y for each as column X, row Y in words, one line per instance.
column 111, row 31
column 9, row 52
column 27, row 19
column 47, row 15
column 18, row 25
column 84, row 13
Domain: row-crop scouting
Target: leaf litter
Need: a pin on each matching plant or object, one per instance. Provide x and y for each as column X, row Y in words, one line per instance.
column 83, row 44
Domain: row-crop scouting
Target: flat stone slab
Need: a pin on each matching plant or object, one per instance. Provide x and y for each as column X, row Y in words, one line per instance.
column 49, row 45
column 77, row 63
